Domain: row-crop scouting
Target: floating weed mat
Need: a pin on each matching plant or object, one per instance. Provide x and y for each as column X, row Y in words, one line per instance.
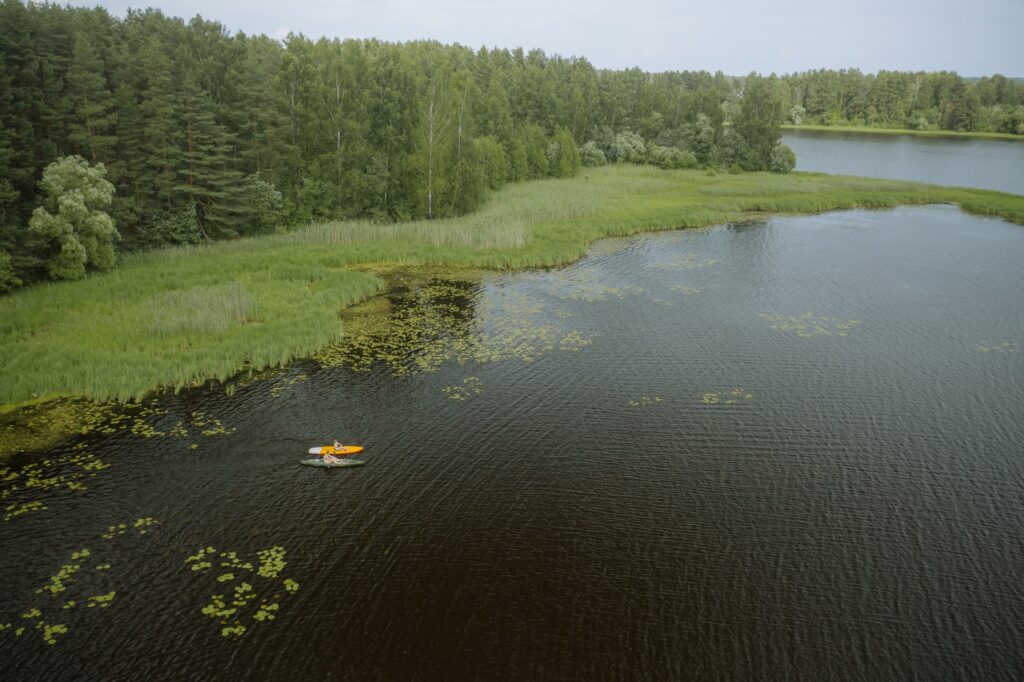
column 587, row 286
column 730, row 397
column 21, row 487
column 420, row 326
column 238, row 605
column 685, row 290
column 84, row 585
column 283, row 386
column 1004, row 347
column 46, row 425
column 470, row 386
column 686, row 261
column 809, row 324
column 644, row 401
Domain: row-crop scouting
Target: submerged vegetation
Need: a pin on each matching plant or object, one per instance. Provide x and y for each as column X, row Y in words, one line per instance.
column 808, row 325
column 121, row 334
column 729, row 397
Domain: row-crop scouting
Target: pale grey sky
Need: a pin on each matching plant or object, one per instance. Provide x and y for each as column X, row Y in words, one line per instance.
column 735, row 36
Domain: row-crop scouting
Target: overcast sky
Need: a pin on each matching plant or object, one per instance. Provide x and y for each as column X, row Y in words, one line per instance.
column 735, row 36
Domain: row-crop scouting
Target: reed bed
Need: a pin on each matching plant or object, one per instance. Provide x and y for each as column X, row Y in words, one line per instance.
column 179, row 316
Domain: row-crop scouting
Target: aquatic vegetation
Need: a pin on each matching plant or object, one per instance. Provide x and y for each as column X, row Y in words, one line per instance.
column 595, row 293
column 15, row 510
column 73, row 574
column 140, row 526
column 46, row 477
column 809, row 324
column 686, row 261
column 728, row 397
column 47, row 425
column 101, row 600
column 1004, row 347
column 586, row 286
column 425, row 324
column 281, row 387
column 470, row 386
column 644, row 401
column 685, row 290
column 98, row 337
column 233, row 609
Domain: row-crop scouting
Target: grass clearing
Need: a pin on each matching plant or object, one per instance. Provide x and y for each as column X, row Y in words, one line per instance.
column 176, row 317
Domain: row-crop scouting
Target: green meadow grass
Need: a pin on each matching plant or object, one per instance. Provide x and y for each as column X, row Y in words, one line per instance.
column 868, row 130
column 177, row 317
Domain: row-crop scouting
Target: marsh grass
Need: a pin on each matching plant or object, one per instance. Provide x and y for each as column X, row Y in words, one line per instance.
column 176, row 317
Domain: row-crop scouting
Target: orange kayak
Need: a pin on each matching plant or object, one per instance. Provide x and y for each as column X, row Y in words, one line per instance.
column 343, row 451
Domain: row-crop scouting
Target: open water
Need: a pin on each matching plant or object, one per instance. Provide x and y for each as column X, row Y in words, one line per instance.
column 982, row 164
column 780, row 450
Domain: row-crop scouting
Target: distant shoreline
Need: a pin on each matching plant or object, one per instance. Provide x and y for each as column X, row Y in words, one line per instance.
column 864, row 130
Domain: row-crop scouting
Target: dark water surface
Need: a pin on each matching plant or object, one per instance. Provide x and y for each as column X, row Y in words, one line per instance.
column 785, row 450
column 983, row 164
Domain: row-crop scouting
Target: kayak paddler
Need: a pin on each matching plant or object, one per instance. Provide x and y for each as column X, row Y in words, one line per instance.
column 331, row 459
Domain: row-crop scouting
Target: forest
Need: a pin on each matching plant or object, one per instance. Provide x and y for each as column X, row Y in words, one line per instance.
column 203, row 134
column 915, row 101
column 181, row 132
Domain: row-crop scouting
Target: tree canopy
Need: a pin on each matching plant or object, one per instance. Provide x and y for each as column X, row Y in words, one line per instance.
column 207, row 134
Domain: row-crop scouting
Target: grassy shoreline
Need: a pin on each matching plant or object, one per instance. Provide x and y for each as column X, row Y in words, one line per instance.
column 177, row 317
column 865, row 130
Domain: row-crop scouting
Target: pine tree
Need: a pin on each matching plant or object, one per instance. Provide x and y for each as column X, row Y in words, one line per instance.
column 206, row 178
column 93, row 120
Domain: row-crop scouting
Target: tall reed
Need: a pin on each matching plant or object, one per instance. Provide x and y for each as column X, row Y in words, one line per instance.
column 178, row 316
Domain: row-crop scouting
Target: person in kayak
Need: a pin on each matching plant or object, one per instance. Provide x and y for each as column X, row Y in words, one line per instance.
column 331, row 459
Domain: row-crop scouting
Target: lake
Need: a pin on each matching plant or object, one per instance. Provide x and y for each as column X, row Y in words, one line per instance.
column 774, row 450
column 985, row 164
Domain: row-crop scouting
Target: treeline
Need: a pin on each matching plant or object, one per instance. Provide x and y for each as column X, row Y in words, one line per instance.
column 899, row 99
column 205, row 134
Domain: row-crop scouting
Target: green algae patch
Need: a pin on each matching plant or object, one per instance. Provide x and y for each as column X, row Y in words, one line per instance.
column 48, row 425
column 727, row 397
column 75, row 578
column 587, row 287
column 686, row 290
column 42, row 426
column 809, row 324
column 470, row 386
column 285, row 385
column 21, row 487
column 1004, row 347
column 248, row 592
column 686, row 261
column 644, row 401
column 424, row 323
